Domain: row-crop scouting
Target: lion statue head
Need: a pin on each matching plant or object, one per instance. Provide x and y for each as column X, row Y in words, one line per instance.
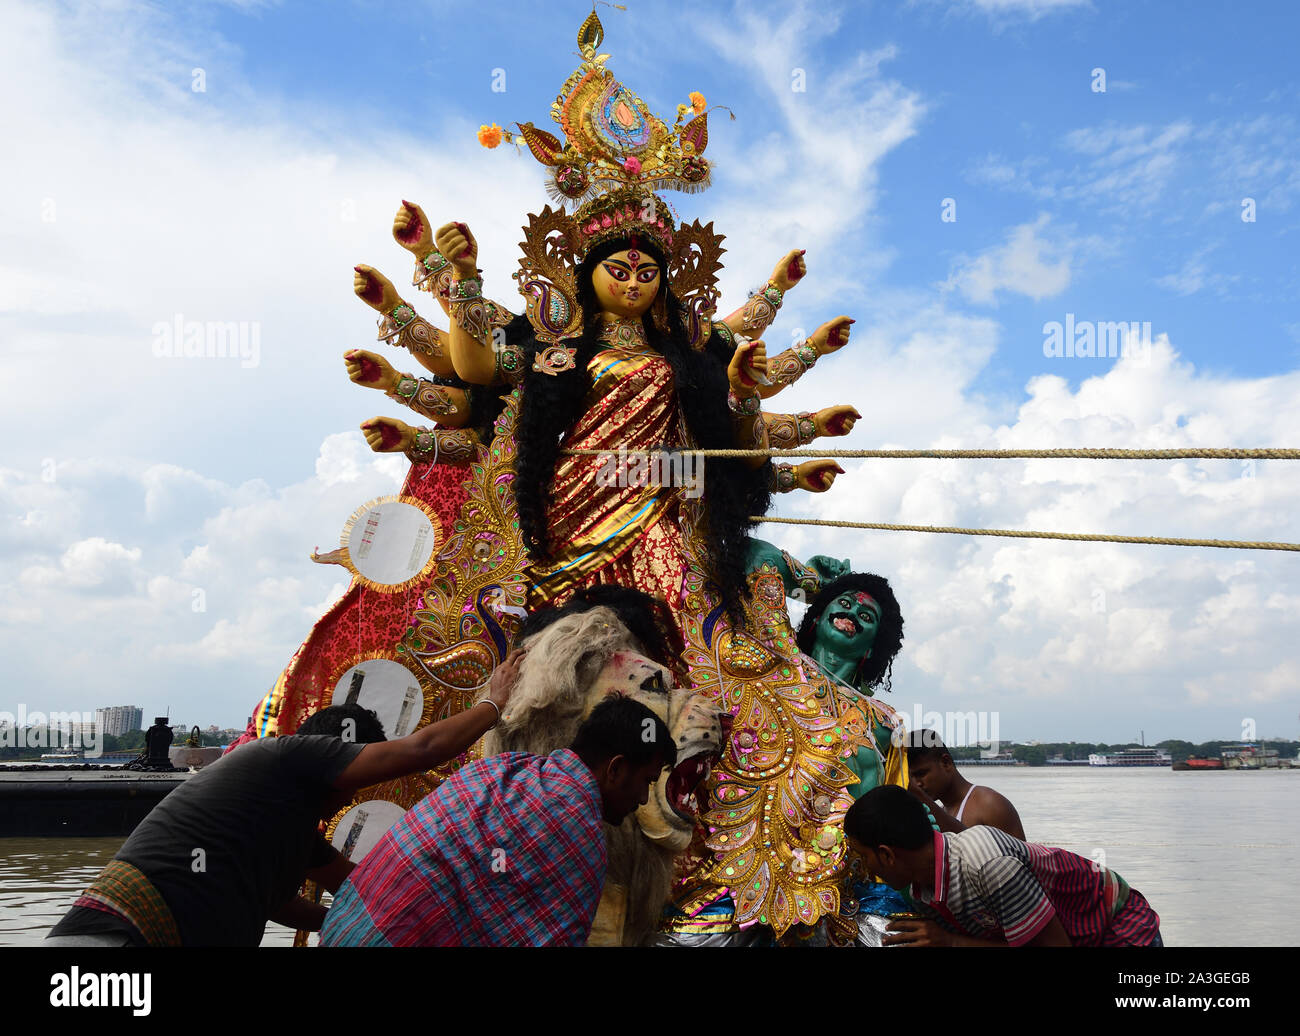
column 571, row 666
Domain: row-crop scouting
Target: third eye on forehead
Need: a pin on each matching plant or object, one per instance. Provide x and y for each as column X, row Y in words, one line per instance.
column 643, row 265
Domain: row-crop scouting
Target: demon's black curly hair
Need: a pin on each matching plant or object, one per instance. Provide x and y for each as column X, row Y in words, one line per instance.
column 877, row 669
column 551, row 404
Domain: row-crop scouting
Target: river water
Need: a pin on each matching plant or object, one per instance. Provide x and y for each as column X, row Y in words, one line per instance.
column 1213, row 852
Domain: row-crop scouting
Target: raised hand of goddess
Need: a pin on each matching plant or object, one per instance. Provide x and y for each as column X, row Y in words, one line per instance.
column 816, row 476
column 371, row 370
column 748, row 367
column 374, row 289
column 832, row 335
column 790, row 270
column 827, row 568
column 387, row 434
column 832, row 420
column 411, row 230
column 455, row 241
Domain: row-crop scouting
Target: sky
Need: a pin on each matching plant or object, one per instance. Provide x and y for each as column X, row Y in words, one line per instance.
column 962, row 173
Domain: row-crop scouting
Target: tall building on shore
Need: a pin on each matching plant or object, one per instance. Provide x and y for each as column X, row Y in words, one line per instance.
column 119, row 719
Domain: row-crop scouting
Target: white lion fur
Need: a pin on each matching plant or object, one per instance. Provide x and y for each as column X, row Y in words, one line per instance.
column 552, row 697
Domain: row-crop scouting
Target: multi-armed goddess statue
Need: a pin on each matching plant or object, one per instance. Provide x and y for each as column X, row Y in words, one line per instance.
column 559, row 459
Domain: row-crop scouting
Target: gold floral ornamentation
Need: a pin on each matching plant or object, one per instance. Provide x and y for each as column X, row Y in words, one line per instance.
column 778, row 796
column 471, row 608
column 546, row 276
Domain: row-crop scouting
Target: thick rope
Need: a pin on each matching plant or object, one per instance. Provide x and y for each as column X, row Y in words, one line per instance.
column 1168, row 541
column 1079, row 454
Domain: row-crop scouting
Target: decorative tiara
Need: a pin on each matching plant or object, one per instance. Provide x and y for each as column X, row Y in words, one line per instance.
column 615, row 155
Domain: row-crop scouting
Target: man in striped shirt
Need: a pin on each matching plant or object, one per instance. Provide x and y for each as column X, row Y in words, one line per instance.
column 981, row 887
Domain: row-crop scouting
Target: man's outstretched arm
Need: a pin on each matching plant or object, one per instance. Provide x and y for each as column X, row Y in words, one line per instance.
column 434, row 744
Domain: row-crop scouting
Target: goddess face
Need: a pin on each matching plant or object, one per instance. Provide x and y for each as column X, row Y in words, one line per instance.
column 850, row 623
column 626, row 282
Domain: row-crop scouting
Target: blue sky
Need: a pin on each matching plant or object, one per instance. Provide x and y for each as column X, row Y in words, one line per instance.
column 133, row 198
column 1205, row 90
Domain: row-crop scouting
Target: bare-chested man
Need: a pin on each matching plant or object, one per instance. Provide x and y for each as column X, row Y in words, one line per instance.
column 955, row 802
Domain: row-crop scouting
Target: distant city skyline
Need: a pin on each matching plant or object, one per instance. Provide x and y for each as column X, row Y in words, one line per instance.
column 119, row 719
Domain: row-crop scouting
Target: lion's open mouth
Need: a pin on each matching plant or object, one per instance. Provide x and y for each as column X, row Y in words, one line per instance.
column 685, row 780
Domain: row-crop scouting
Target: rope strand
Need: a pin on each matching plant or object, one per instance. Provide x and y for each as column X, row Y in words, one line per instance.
column 1091, row 537
column 1206, row 453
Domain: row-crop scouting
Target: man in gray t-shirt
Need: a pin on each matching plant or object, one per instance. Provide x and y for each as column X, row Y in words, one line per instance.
column 227, row 851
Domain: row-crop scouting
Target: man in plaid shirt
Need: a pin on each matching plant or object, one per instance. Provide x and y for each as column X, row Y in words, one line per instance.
column 981, row 887
column 509, row 851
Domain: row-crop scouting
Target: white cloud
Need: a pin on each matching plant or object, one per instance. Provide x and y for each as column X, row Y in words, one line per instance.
column 1195, row 274
column 222, row 579
column 1094, row 630
column 1129, row 166
column 1033, row 8
column 840, row 120
column 87, row 564
column 1002, row 10
column 1028, row 263
column 200, row 208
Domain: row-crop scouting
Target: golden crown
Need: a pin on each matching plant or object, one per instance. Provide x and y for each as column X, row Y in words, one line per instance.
column 616, row 152
column 615, row 155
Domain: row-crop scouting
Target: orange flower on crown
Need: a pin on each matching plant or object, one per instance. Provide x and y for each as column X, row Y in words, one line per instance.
column 489, row 136
column 697, row 101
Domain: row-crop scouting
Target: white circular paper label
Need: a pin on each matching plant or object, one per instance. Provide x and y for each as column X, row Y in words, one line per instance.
column 390, row 543
column 361, row 827
column 387, row 687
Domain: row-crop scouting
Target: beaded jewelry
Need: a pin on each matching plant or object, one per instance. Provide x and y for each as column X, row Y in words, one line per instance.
column 469, row 309
column 555, row 360
column 430, row 266
column 465, row 289
column 406, row 329
column 510, row 363
column 426, row 441
column 407, row 386
column 791, row 365
column 782, row 431
column 761, row 308
column 452, row 444
column 747, row 407
column 433, row 400
column 807, row 578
